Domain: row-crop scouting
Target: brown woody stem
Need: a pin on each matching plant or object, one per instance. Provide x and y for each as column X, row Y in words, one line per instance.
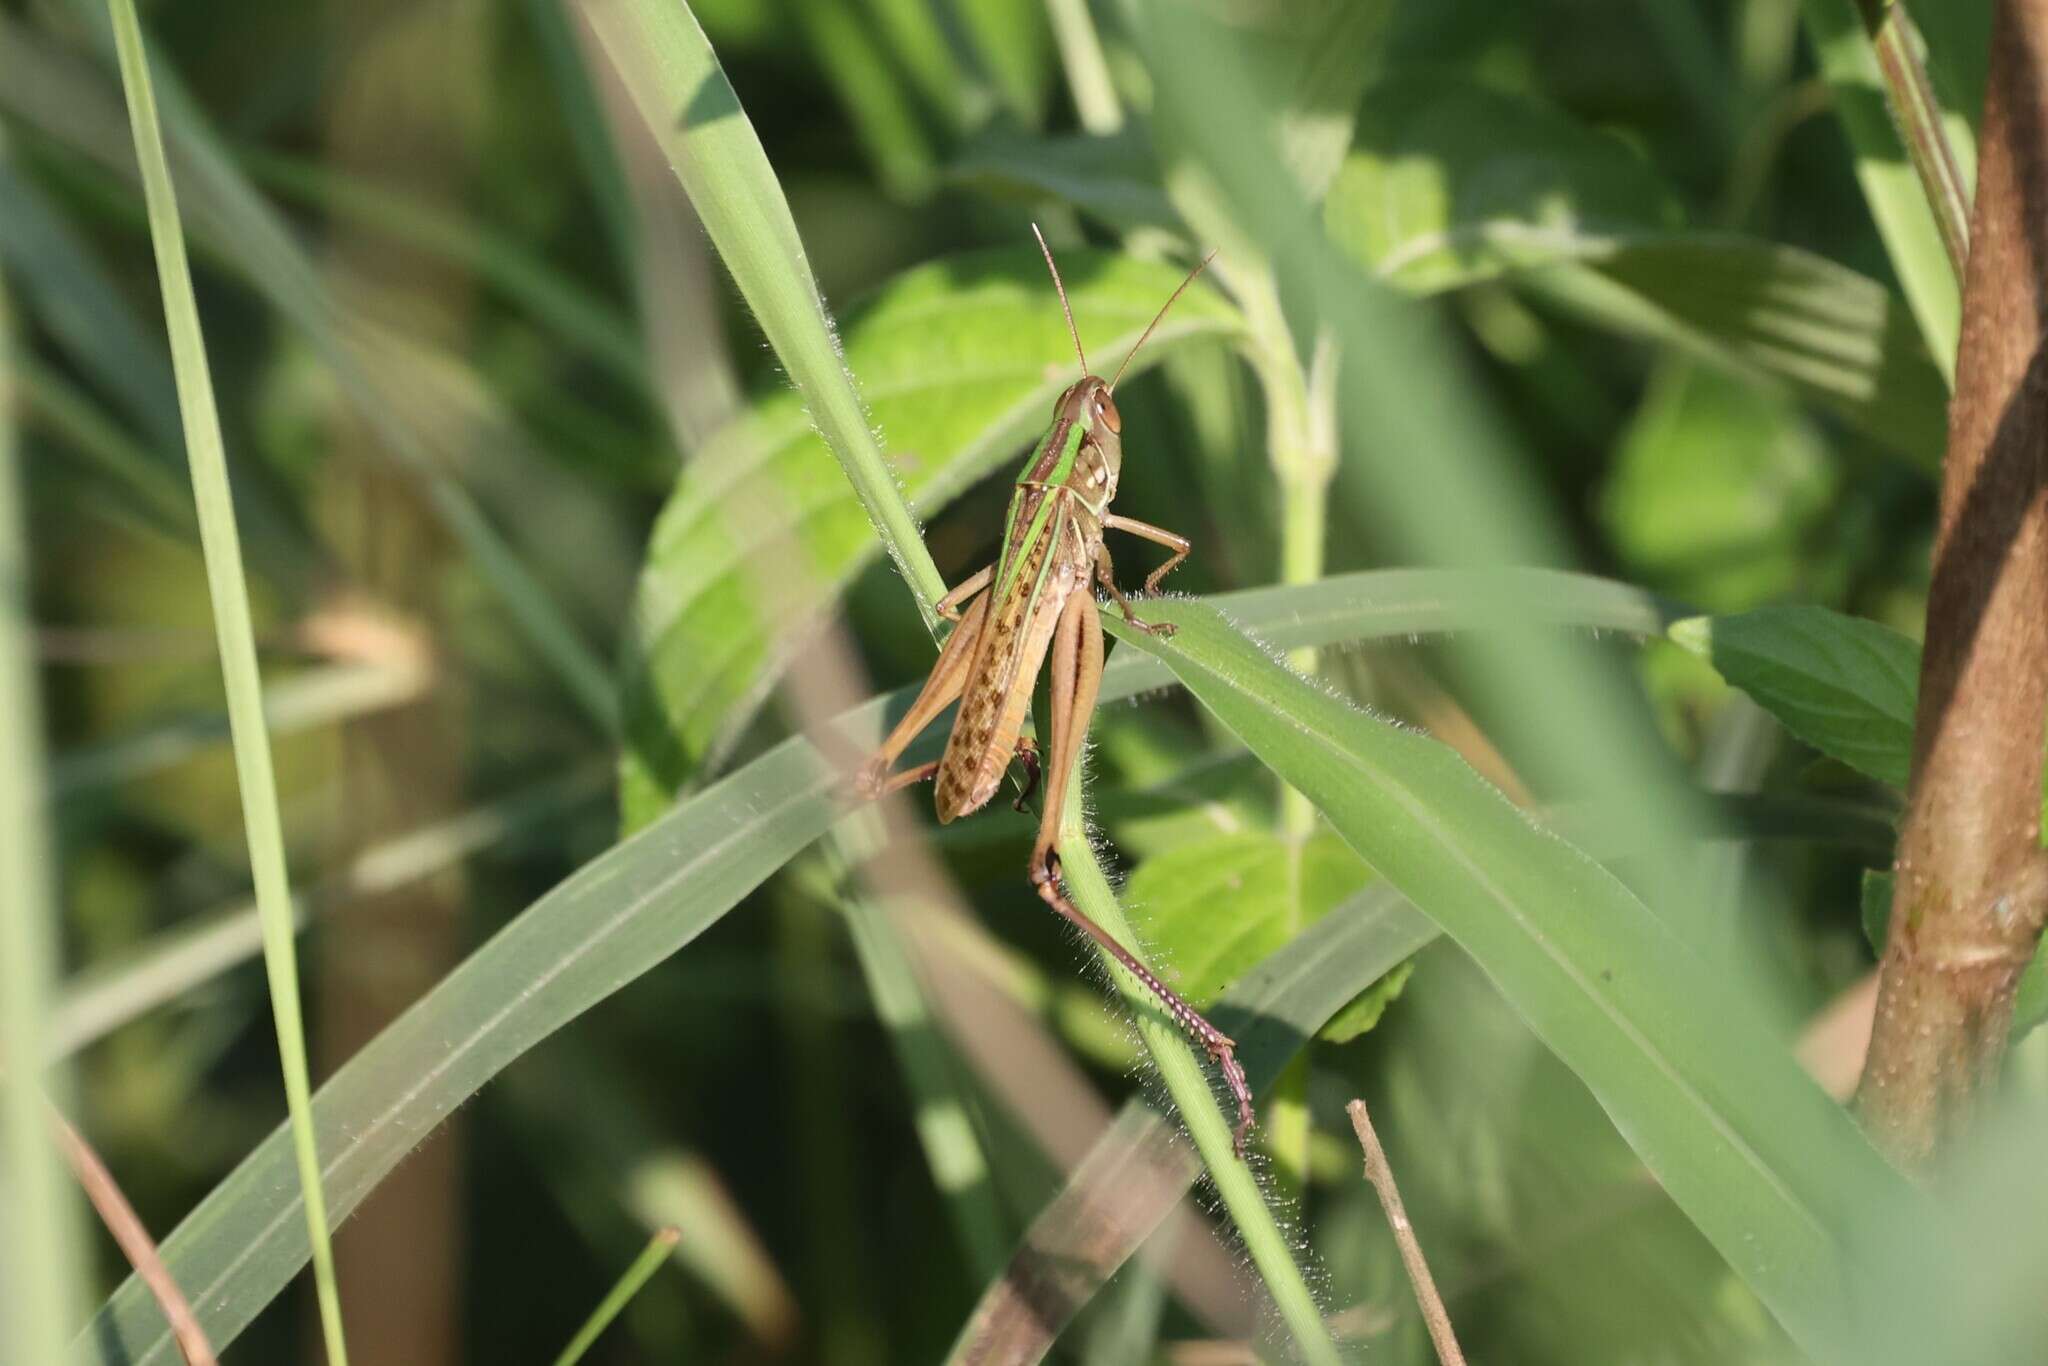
column 1972, row 890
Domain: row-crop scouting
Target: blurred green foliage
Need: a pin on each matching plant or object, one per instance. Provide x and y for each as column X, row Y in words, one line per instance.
column 500, row 425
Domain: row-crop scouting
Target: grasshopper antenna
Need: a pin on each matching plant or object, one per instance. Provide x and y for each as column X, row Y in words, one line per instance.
column 1065, row 307
column 1147, row 335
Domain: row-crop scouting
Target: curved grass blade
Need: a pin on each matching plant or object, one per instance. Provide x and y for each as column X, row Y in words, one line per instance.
column 1767, row 1167
column 614, row 920
column 674, row 77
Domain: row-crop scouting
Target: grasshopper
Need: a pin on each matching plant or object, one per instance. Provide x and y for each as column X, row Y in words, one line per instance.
column 1036, row 600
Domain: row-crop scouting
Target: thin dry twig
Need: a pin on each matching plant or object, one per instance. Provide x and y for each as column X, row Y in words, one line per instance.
column 1382, row 1177
column 134, row 1240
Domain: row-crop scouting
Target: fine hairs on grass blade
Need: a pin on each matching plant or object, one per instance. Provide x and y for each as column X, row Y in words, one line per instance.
column 1187, row 1078
column 644, row 1266
column 668, row 67
column 1136, row 1172
column 229, row 593
column 40, row 1293
column 610, row 922
column 1768, row 1168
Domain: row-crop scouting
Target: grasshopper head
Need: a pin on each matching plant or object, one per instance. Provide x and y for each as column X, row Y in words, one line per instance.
column 1101, row 457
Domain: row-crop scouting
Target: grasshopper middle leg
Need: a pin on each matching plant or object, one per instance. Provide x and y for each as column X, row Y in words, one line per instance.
column 1076, row 681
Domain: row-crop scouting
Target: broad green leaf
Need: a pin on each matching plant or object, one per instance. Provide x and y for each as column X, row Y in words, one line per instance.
column 1771, row 313
column 1451, row 183
column 1719, row 491
column 1844, row 685
column 1213, row 909
column 960, row 362
column 618, row 917
column 1767, row 1167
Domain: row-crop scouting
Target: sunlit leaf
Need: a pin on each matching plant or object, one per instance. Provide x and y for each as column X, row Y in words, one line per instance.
column 1450, row 183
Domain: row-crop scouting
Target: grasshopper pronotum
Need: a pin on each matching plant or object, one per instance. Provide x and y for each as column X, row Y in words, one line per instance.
column 1038, row 600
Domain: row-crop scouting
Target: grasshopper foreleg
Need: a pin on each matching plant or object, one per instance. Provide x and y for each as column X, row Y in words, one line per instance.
column 1158, row 535
column 1076, row 680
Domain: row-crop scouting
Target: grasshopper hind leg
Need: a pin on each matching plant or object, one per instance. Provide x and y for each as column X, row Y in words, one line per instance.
column 1076, row 677
column 1045, row 877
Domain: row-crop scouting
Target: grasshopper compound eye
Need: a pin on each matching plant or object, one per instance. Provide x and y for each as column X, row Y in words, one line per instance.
column 1105, row 408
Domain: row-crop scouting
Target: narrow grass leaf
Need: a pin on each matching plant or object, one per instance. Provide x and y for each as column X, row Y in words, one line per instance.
column 1767, row 1167
column 619, row 916
column 41, row 1292
column 674, row 78
column 1138, row 1170
column 229, row 593
column 1187, row 1077
column 1848, row 63
column 644, row 1266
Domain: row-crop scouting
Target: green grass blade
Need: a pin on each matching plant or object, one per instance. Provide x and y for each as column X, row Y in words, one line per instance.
column 40, row 1293
column 1135, row 1174
column 673, row 76
column 625, row 912
column 1848, row 63
column 644, row 1266
column 1187, row 1078
column 1767, row 1167
column 229, row 592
